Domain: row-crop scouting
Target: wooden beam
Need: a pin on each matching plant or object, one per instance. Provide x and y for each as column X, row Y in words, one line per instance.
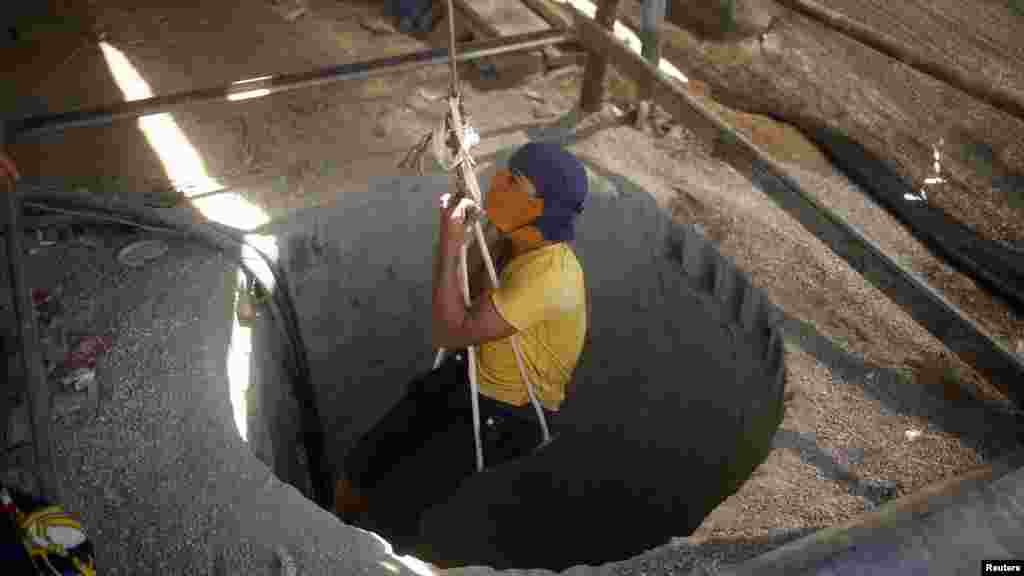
column 597, row 62
column 931, row 310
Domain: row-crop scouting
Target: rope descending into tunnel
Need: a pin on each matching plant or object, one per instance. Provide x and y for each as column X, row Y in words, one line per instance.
column 451, row 142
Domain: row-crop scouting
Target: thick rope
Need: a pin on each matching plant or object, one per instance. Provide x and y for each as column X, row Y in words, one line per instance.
column 463, row 162
column 469, row 177
column 474, row 387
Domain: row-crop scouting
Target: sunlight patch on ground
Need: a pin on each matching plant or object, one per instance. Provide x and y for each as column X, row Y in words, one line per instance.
column 185, row 168
column 622, row 32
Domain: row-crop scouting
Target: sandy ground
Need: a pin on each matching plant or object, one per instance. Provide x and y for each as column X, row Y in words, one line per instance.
column 861, row 371
column 814, row 76
column 842, row 446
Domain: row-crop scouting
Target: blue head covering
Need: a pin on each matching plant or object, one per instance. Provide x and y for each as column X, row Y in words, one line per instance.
column 560, row 179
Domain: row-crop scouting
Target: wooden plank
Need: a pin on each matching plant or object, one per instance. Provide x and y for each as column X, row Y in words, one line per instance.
column 930, row 309
column 502, row 17
column 597, row 61
column 558, row 18
column 475, row 20
column 483, row 25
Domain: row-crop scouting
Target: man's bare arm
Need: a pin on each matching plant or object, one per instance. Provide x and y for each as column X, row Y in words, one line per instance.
column 479, row 280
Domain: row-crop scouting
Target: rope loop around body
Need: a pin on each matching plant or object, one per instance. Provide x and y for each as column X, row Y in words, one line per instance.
column 451, row 142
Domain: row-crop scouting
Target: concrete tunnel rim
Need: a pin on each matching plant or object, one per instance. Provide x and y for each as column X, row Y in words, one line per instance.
column 710, row 277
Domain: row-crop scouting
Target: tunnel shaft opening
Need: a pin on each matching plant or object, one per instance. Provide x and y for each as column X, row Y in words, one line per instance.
column 675, row 400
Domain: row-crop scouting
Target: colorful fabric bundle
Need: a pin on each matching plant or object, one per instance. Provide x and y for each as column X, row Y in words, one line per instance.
column 38, row 537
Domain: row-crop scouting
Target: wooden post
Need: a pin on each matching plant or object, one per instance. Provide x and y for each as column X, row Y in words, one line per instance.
column 653, row 16
column 597, row 64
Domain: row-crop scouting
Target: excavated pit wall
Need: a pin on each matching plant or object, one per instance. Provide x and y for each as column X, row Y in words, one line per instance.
column 677, row 396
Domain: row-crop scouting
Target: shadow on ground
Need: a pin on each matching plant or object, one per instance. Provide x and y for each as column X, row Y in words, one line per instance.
column 989, row 429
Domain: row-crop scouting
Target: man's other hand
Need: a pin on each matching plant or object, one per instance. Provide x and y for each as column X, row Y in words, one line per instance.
column 454, row 221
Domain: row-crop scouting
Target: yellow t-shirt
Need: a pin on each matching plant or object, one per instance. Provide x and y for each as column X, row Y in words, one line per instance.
column 542, row 295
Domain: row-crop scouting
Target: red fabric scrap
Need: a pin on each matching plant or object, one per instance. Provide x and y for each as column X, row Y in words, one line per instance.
column 87, row 352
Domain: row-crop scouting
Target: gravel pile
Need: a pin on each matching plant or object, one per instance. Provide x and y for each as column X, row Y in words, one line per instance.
column 157, row 471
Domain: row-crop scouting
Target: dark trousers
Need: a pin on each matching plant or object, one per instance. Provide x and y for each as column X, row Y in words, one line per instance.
column 422, row 449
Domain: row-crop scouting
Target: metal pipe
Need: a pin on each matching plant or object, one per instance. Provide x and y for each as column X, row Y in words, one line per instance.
column 49, row 124
column 37, row 386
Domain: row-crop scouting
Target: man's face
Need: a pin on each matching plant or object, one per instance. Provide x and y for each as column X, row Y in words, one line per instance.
column 511, row 203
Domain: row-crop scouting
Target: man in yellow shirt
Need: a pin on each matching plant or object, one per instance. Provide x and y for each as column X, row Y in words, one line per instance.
column 416, row 456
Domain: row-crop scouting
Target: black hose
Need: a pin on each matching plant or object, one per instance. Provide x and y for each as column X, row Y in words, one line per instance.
column 991, row 264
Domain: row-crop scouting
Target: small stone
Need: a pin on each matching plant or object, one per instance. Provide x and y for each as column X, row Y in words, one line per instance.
column 288, row 566
column 79, row 379
column 113, row 495
column 67, row 405
column 429, row 95
column 879, row 491
column 295, row 14
column 19, row 425
column 641, row 115
column 90, row 241
column 912, row 434
column 771, row 43
column 544, row 111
